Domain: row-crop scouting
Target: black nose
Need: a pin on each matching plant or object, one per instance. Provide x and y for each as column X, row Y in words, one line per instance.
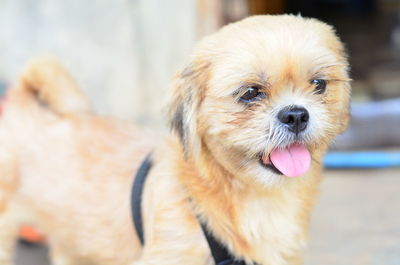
column 294, row 118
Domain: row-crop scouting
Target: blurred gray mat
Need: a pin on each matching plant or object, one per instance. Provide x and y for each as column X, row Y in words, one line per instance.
column 373, row 125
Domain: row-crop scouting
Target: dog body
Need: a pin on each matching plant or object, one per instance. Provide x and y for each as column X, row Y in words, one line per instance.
column 253, row 113
column 66, row 171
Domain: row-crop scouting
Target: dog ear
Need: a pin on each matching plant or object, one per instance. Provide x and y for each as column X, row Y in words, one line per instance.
column 188, row 88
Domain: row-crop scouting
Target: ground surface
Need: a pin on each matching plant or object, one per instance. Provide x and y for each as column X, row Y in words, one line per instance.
column 356, row 221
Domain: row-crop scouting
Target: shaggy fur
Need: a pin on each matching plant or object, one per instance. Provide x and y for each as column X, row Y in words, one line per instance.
column 69, row 172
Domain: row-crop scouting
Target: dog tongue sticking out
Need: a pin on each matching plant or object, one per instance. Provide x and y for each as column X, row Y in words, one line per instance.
column 293, row 161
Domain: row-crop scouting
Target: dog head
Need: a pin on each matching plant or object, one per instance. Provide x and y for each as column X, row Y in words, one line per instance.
column 263, row 96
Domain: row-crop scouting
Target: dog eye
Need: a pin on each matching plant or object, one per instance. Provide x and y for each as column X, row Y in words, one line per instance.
column 320, row 85
column 252, row 94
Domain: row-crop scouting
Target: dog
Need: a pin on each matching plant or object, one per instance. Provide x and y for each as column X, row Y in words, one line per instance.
column 252, row 113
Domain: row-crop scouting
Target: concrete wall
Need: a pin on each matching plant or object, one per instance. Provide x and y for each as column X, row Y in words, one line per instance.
column 122, row 52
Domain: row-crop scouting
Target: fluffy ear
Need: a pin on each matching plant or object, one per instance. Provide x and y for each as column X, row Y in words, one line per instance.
column 188, row 88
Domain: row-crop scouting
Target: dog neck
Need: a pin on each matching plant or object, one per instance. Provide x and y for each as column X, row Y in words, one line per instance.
column 246, row 216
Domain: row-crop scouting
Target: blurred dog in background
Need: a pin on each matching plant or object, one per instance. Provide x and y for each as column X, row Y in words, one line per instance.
column 252, row 113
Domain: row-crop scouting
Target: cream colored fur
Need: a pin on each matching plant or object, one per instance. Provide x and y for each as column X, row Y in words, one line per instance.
column 69, row 173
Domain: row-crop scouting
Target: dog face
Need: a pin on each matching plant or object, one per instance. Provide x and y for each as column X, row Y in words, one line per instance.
column 263, row 97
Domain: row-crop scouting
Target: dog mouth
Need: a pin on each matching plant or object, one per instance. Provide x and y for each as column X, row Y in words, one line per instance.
column 291, row 161
column 269, row 165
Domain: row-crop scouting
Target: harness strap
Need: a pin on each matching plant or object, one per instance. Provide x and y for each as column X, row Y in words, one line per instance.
column 219, row 252
column 136, row 197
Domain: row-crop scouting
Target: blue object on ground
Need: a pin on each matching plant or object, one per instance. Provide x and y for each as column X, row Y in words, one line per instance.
column 362, row 159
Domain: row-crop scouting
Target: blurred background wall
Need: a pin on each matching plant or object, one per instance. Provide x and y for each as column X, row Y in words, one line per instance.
column 124, row 52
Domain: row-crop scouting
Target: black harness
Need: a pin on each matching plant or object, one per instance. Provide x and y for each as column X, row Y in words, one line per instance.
column 219, row 252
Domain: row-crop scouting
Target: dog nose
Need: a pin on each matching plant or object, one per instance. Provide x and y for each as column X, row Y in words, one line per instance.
column 294, row 118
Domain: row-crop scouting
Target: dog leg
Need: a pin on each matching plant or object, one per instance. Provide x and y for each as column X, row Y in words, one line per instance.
column 177, row 257
column 60, row 258
column 296, row 260
column 8, row 209
column 8, row 236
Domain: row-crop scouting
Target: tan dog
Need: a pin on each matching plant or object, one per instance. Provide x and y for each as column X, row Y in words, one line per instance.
column 254, row 111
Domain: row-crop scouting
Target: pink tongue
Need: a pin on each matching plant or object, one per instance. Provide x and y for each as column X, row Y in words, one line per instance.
column 292, row 161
